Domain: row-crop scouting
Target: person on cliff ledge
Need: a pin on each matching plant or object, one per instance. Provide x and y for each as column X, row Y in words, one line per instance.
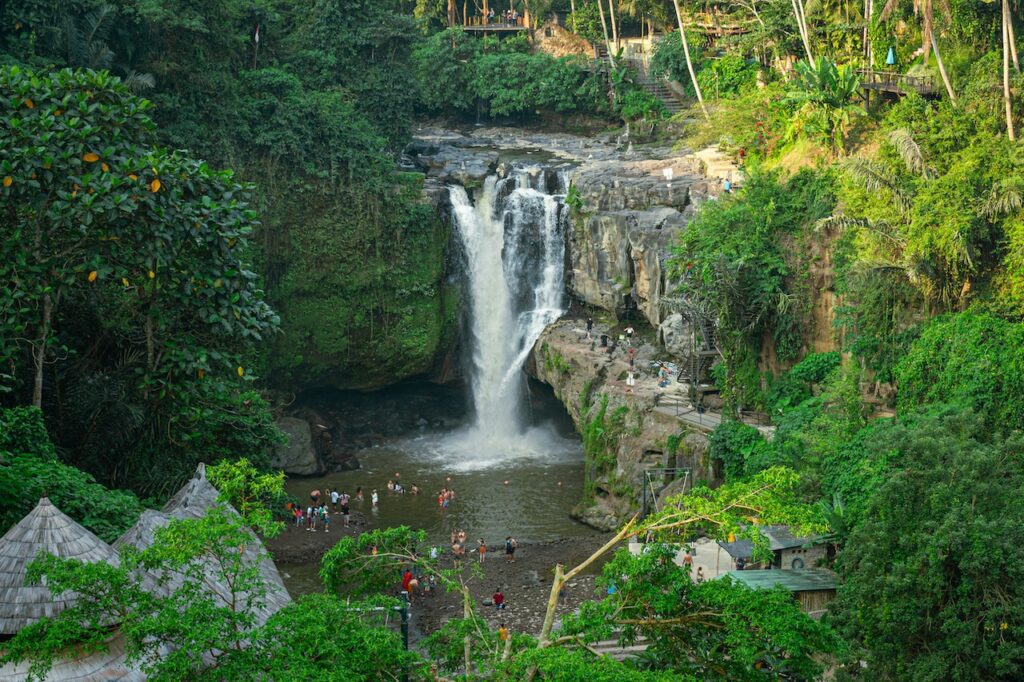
column 590, row 328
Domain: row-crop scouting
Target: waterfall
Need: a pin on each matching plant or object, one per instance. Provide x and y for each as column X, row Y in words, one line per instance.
column 514, row 243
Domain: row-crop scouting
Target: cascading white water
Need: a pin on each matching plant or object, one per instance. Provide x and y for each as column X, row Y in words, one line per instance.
column 514, row 243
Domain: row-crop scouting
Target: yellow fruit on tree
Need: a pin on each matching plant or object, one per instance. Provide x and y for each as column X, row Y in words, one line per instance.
column 152, row 274
column 154, row 186
column 93, row 275
column 30, row 104
column 241, row 372
column 90, row 157
column 124, row 281
column 8, row 181
column 105, row 167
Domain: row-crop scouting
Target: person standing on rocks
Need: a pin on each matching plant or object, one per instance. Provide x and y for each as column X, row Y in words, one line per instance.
column 481, row 548
column 590, row 328
column 314, row 497
column 334, row 499
column 498, row 599
column 345, row 510
column 629, row 334
column 510, row 549
column 374, row 498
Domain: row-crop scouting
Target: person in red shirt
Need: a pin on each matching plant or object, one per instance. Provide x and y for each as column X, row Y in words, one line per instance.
column 498, row 599
column 406, row 579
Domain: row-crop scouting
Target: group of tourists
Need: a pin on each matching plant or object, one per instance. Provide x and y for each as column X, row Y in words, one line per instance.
column 445, row 497
column 509, row 16
column 316, row 514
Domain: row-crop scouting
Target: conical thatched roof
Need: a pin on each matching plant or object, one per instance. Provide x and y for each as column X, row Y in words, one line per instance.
column 45, row 529
column 191, row 502
column 106, row 665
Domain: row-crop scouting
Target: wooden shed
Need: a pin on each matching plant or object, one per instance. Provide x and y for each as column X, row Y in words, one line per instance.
column 814, row 588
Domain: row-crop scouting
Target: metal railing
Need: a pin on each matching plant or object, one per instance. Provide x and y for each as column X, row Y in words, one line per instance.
column 896, row 82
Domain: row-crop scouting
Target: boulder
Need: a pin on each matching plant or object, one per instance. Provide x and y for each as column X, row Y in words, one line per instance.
column 675, row 335
column 298, row 456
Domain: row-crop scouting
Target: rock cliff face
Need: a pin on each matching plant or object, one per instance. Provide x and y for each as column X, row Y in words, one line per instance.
column 627, row 431
column 627, row 216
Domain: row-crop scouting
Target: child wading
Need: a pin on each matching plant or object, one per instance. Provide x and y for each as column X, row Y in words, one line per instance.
column 482, row 549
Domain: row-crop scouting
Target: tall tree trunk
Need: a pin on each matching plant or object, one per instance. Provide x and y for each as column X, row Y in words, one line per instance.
column 942, row 70
column 1006, row 70
column 40, row 351
column 572, row 19
column 801, row 22
column 1013, row 43
column 689, row 62
column 467, row 642
column 486, row 20
column 607, row 43
column 451, row 13
column 615, row 28
column 866, row 38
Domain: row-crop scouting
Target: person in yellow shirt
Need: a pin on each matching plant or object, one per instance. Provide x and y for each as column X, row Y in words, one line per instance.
column 502, row 632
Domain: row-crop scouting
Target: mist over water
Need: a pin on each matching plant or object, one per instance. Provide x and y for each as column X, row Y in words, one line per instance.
column 513, row 238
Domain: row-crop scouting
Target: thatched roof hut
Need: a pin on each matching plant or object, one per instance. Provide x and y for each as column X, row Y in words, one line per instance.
column 107, row 666
column 45, row 529
column 194, row 499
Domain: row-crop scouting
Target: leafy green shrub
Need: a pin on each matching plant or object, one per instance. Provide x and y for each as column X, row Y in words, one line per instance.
column 733, row 443
column 975, row 359
column 29, row 471
column 637, row 104
column 815, row 367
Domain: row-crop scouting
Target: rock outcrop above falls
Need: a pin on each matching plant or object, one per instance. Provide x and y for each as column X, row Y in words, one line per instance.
column 629, row 214
column 629, row 205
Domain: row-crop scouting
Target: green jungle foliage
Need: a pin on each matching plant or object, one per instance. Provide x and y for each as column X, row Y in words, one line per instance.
column 29, row 470
column 736, row 261
column 973, row 359
column 932, row 576
column 462, row 74
column 134, row 313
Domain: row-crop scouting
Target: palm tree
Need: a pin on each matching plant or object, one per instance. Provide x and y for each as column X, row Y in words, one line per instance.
column 689, row 62
column 926, row 10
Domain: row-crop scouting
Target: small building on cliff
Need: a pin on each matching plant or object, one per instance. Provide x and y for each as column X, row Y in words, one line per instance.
column 814, row 588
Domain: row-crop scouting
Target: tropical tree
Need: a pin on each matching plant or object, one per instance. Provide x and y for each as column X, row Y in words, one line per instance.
column 825, row 94
column 931, row 576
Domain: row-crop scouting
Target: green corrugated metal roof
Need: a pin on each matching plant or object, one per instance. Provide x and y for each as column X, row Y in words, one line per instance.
column 802, row 580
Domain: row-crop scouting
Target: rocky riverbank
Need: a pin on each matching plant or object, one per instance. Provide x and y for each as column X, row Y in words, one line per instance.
column 526, row 583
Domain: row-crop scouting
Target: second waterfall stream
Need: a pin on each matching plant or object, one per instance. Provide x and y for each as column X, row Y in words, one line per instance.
column 513, row 239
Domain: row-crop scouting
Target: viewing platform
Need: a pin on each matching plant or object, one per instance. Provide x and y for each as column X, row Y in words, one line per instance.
column 497, row 26
column 896, row 83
